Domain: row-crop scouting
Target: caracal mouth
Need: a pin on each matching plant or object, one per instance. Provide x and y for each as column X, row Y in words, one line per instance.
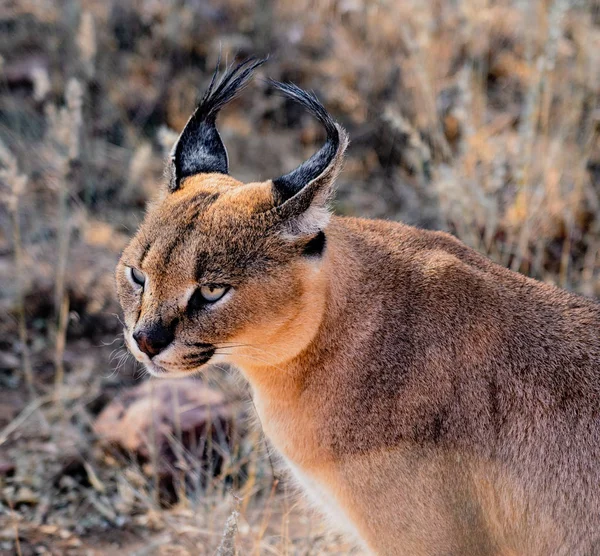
column 160, row 369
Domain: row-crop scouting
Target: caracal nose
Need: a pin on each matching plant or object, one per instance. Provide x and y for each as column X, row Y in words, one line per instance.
column 153, row 340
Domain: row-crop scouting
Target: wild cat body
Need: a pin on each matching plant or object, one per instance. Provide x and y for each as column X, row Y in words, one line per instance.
column 428, row 400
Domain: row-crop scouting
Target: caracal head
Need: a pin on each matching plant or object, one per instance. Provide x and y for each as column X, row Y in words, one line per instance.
column 222, row 271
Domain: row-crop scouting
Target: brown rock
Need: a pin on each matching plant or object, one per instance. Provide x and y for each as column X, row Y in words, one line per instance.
column 191, row 426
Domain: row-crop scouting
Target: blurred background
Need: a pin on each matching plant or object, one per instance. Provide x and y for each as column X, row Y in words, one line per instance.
column 479, row 117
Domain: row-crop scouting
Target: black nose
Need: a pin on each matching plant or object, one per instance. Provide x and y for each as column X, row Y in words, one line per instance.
column 154, row 339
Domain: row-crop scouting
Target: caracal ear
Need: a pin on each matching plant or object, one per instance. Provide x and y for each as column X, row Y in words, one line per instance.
column 199, row 149
column 302, row 197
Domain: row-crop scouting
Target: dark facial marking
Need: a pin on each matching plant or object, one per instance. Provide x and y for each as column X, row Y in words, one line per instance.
column 192, row 211
column 200, row 345
column 316, row 246
column 197, row 359
column 144, row 253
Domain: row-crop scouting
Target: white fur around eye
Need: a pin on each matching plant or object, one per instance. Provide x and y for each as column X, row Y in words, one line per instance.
column 136, row 277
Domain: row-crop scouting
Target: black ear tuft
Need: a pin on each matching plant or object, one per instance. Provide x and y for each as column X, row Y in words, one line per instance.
column 199, row 148
column 288, row 185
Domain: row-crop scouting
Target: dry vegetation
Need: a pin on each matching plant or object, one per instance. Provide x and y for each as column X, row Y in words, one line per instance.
column 477, row 116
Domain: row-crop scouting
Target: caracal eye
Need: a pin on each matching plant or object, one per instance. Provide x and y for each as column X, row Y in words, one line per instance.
column 136, row 276
column 212, row 293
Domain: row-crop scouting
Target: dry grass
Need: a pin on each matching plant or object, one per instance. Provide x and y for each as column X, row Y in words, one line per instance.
column 480, row 117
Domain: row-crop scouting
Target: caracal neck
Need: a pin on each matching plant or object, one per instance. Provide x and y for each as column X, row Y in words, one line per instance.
column 283, row 372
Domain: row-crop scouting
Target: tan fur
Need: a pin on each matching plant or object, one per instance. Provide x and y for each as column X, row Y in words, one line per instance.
column 246, row 198
column 429, row 401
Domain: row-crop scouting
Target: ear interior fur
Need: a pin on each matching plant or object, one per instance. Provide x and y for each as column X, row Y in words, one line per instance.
column 310, row 222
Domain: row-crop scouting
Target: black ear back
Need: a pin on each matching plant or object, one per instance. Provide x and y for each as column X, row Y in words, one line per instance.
column 288, row 185
column 199, row 149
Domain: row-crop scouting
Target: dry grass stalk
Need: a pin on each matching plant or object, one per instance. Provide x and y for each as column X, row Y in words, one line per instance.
column 154, row 453
column 86, row 43
column 15, row 183
column 61, row 340
column 27, row 412
column 178, row 449
column 15, row 519
column 227, row 545
column 66, row 128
